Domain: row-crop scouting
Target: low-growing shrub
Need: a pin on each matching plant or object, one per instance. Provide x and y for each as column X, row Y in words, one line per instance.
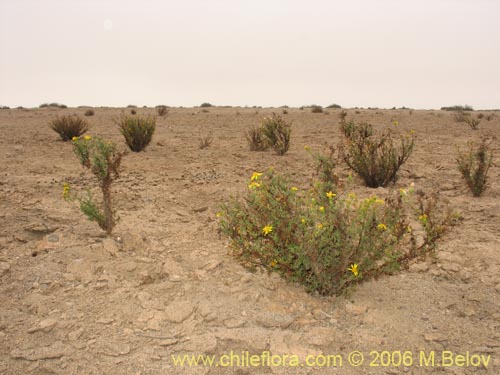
column 334, row 106
column 458, row 108
column 277, row 133
column 4, row 107
column 162, row 110
column 204, row 105
column 137, row 131
column 69, row 126
column 103, row 160
column 472, row 122
column 133, row 112
column 89, row 112
column 205, row 141
column 328, row 241
column 460, row 116
column 52, row 105
column 316, row 109
column 256, row 139
column 474, row 165
column 376, row 158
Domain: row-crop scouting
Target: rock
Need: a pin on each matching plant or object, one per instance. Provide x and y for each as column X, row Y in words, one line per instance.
column 234, row 323
column 168, row 342
column 273, row 320
column 75, row 335
column 45, row 325
column 206, row 344
column 19, row 147
column 105, row 321
column 356, row 309
column 419, row 267
column 497, row 288
column 4, row 268
column 452, row 267
column 201, row 209
column 213, row 264
column 320, row 336
column 55, row 350
column 173, row 270
column 178, row 312
column 53, row 237
column 110, row 246
column 112, row 349
column 435, row 337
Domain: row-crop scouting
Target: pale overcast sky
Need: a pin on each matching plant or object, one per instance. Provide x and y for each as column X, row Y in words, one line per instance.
column 378, row 53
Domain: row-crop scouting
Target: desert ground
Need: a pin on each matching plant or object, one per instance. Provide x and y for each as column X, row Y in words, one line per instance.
column 74, row 301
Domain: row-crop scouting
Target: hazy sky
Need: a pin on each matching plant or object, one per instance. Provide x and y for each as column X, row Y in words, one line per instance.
column 384, row 53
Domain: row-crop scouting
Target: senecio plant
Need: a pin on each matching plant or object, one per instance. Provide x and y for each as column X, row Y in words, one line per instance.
column 329, row 241
column 103, row 160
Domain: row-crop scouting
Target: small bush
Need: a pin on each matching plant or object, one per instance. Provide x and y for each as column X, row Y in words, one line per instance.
column 316, row 109
column 474, row 166
column 480, row 116
column 89, row 112
column 334, row 106
column 69, row 126
column 325, row 169
column 102, row 159
column 4, row 107
column 162, row 110
column 472, row 122
column 204, row 105
column 277, row 133
column 489, row 117
column 376, row 159
column 328, row 242
column 137, row 131
column 205, row 141
column 133, row 112
column 256, row 139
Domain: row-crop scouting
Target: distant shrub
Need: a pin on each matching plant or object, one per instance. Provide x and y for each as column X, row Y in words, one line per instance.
column 325, row 169
column 52, row 105
column 103, row 160
column 4, row 107
column 137, row 131
column 316, row 109
column 334, row 106
column 131, row 106
column 256, row 139
column 480, row 116
column 458, row 108
column 133, row 112
column 472, row 122
column 460, row 116
column 204, row 105
column 69, row 126
column 277, row 133
column 162, row 110
column 205, row 141
column 474, row 165
column 89, row 112
column 376, row 159
column 489, row 117
column 285, row 112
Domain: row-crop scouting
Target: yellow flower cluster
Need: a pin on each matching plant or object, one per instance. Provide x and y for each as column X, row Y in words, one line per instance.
column 267, row 229
column 354, row 269
column 382, row 227
column 331, row 195
column 66, row 191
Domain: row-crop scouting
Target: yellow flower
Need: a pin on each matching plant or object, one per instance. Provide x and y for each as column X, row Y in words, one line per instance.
column 354, row 269
column 412, row 132
column 423, row 218
column 351, row 196
column 294, row 188
column 382, row 227
column 74, row 139
column 255, row 176
column 408, row 229
column 87, row 137
column 331, row 195
column 395, row 122
column 402, row 191
column 322, row 209
column 267, row 229
column 307, row 148
column 379, row 201
column 66, row 190
column 254, row 185
column 273, row 263
column 218, row 214
column 303, row 221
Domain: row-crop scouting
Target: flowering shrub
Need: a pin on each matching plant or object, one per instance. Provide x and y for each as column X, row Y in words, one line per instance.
column 326, row 241
column 276, row 132
column 69, row 126
column 103, row 160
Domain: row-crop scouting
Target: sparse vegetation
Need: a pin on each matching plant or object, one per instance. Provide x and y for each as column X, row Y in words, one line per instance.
column 69, row 126
column 334, row 106
column 205, row 141
column 137, row 131
column 472, row 122
column 52, row 105
column 205, row 105
column 277, row 133
column 375, row 158
column 474, row 165
column 162, row 110
column 328, row 241
column 256, row 139
column 133, row 112
column 89, row 112
column 103, row 160
column 4, row 107
column 316, row 109
column 461, row 108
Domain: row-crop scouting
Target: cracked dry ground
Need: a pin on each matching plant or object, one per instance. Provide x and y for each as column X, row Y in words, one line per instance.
column 76, row 302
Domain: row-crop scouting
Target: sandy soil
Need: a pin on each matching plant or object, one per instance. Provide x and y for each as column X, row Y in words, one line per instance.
column 76, row 302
